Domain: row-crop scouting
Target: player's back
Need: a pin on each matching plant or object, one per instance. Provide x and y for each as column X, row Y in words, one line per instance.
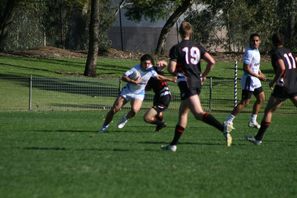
column 290, row 76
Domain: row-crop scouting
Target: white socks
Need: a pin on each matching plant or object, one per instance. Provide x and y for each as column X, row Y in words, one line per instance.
column 254, row 118
column 230, row 118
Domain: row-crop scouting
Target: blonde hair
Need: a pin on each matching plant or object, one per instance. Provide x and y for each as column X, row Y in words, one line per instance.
column 185, row 29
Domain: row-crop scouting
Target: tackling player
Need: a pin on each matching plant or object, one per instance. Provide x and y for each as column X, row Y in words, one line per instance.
column 162, row 98
column 133, row 92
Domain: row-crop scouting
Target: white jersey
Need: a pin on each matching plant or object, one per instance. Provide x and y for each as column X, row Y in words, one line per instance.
column 138, row 89
column 251, row 58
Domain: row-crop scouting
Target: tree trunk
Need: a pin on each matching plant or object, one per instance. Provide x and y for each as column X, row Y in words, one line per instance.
column 169, row 24
column 90, row 68
column 5, row 19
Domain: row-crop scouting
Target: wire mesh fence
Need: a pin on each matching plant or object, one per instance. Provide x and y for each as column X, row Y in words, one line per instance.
column 73, row 94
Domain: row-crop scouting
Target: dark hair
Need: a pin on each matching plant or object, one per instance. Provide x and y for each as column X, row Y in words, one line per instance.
column 277, row 39
column 253, row 35
column 146, row 57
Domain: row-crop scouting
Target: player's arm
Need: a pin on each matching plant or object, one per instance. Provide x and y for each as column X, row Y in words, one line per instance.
column 210, row 63
column 164, row 78
column 280, row 71
column 129, row 80
column 172, row 67
column 248, row 70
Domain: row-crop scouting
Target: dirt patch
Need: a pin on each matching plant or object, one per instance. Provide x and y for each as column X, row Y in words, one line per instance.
column 49, row 52
column 53, row 52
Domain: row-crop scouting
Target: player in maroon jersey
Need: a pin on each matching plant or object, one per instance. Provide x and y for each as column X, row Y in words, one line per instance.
column 185, row 58
column 162, row 98
column 285, row 81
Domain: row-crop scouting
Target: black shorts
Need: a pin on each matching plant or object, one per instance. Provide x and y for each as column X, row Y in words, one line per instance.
column 282, row 93
column 186, row 92
column 246, row 94
column 161, row 103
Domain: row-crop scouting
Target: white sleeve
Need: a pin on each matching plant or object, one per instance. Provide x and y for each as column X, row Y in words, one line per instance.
column 248, row 57
column 129, row 72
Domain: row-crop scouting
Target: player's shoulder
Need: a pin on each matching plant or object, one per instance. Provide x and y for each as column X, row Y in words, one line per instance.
column 136, row 67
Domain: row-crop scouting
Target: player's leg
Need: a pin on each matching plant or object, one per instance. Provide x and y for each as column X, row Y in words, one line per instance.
column 260, row 98
column 272, row 105
column 117, row 105
column 153, row 116
column 136, row 104
column 245, row 100
column 150, row 115
column 135, row 107
column 197, row 110
column 180, row 127
column 160, row 106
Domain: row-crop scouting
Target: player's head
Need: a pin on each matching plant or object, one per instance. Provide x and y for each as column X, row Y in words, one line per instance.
column 146, row 61
column 255, row 40
column 185, row 30
column 277, row 39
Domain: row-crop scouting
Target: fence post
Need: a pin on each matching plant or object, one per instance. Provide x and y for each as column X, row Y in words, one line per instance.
column 210, row 95
column 235, row 83
column 30, row 93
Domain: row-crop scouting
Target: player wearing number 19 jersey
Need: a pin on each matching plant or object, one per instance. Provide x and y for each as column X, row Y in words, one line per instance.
column 185, row 58
column 285, row 80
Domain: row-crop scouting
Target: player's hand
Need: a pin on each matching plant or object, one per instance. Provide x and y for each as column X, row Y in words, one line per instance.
column 137, row 81
column 174, row 79
column 262, row 77
column 162, row 64
column 202, row 79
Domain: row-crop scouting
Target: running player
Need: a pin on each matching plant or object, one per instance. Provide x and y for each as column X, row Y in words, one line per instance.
column 250, row 82
column 185, row 58
column 285, row 80
column 134, row 91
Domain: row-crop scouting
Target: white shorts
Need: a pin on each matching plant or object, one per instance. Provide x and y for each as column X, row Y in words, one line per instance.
column 250, row 83
column 129, row 95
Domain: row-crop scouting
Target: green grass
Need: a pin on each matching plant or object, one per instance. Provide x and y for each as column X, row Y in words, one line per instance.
column 60, row 154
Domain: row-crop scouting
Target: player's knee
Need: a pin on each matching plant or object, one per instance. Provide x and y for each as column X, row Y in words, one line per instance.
column 261, row 100
column 115, row 109
column 199, row 115
column 245, row 102
column 147, row 119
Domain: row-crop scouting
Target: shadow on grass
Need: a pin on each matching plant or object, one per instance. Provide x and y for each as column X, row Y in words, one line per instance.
column 78, row 87
column 36, row 148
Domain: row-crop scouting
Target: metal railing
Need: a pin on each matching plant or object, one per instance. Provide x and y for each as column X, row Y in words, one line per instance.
column 79, row 93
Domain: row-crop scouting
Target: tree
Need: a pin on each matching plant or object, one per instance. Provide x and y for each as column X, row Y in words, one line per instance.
column 6, row 15
column 90, row 68
column 157, row 9
column 169, row 24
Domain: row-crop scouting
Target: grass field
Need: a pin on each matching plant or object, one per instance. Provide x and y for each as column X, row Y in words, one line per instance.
column 60, row 154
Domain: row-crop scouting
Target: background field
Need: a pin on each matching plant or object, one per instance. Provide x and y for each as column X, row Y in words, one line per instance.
column 51, row 152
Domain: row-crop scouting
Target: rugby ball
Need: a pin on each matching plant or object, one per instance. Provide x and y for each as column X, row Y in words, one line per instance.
column 135, row 75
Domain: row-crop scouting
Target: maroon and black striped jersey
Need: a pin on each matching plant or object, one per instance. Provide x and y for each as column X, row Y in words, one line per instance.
column 188, row 55
column 289, row 79
column 159, row 87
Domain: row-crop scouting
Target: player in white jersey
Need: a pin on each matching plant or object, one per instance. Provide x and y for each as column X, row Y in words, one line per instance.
column 134, row 91
column 251, row 82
